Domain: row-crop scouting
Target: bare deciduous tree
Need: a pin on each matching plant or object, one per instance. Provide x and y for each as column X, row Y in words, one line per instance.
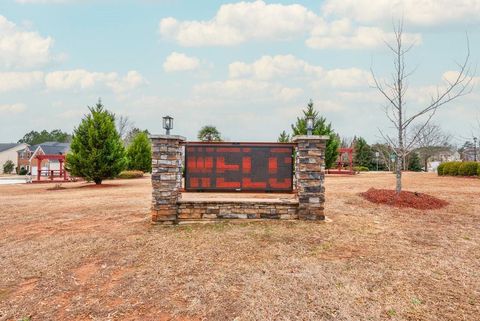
column 430, row 140
column 124, row 125
column 395, row 91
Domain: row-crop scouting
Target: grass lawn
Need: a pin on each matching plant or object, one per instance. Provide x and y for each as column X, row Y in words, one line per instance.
column 90, row 253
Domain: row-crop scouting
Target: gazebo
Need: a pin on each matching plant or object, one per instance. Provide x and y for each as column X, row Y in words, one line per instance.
column 342, row 163
column 62, row 173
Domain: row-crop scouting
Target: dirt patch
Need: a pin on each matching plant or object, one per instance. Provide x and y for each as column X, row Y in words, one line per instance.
column 415, row 200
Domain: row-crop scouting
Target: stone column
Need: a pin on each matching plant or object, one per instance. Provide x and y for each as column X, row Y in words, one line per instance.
column 310, row 176
column 166, row 177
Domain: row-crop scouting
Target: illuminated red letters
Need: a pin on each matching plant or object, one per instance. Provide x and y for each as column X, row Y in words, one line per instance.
column 238, row 167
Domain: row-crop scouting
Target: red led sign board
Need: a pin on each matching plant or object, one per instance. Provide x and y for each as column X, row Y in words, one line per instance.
column 238, row 167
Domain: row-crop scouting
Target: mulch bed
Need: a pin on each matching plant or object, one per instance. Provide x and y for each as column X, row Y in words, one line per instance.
column 415, row 200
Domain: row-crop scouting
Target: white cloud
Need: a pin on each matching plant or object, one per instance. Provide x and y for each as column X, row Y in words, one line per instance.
column 342, row 34
column 416, row 12
column 180, row 62
column 75, row 80
column 22, row 49
column 285, row 67
column 246, row 89
column 131, row 81
column 269, row 67
column 12, row 109
column 83, row 79
column 238, row 22
column 20, row 80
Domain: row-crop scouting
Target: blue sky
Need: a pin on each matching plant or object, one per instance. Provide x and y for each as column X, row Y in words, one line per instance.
column 246, row 67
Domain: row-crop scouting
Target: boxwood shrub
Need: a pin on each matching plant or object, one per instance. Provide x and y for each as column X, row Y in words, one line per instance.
column 440, row 169
column 468, row 169
column 130, row 174
column 459, row 169
column 360, row 169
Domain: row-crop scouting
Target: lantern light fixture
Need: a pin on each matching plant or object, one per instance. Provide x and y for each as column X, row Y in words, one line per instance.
column 167, row 124
column 309, row 121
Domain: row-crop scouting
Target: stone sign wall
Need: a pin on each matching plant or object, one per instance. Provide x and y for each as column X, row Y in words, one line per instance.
column 169, row 208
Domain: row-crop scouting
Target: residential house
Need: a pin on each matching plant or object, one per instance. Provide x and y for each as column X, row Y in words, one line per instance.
column 27, row 156
column 8, row 152
column 441, row 157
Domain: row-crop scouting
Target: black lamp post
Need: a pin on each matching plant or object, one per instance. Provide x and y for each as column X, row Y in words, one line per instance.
column 167, row 124
column 309, row 122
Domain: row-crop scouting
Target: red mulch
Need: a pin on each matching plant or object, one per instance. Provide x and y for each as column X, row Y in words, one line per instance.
column 405, row 199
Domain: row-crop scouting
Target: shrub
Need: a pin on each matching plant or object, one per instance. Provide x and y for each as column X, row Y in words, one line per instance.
column 360, row 168
column 468, row 169
column 440, row 169
column 139, row 153
column 130, row 174
column 452, row 168
column 8, row 167
column 23, row 171
column 478, row 170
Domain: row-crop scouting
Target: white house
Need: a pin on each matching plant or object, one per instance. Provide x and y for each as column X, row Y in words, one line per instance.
column 9, row 152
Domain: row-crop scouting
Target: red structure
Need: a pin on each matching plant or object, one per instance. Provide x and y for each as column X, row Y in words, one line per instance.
column 62, row 173
column 344, row 162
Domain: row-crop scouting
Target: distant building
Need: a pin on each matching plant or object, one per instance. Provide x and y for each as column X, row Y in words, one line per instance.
column 26, row 156
column 441, row 157
column 8, row 152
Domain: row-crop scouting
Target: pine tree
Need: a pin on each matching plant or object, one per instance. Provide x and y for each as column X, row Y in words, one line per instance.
column 320, row 127
column 363, row 154
column 96, row 151
column 414, row 163
column 139, row 153
column 284, row 137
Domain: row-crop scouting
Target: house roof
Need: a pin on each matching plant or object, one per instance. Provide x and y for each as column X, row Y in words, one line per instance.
column 52, row 148
column 7, row 146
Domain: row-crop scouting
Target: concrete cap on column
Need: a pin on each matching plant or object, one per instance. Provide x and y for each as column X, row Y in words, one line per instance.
column 310, row 137
column 171, row 137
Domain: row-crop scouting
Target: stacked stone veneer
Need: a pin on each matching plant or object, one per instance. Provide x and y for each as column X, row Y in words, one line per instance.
column 166, row 177
column 169, row 208
column 310, row 176
column 212, row 210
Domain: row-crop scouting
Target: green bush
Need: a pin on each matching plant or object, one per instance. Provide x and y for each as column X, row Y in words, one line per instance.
column 360, row 168
column 440, row 169
column 459, row 169
column 468, row 169
column 452, row 168
column 130, row 174
column 8, row 167
column 23, row 171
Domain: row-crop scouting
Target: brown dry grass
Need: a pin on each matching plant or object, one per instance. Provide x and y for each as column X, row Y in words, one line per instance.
column 91, row 254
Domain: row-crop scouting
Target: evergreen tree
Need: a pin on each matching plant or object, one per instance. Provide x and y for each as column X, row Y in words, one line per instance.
column 320, row 127
column 284, row 137
column 139, row 153
column 96, row 151
column 209, row 134
column 363, row 154
column 414, row 163
column 33, row 137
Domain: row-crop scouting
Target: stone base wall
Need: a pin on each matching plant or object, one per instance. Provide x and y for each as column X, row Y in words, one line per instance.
column 212, row 210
